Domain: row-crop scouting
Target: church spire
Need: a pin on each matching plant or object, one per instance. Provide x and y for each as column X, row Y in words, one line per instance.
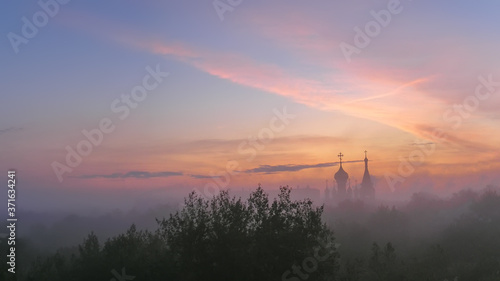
column 367, row 189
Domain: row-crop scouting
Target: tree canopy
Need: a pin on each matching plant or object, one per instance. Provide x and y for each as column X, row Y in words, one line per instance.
column 222, row 238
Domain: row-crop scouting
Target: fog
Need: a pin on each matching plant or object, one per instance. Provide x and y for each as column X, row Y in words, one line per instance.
column 423, row 230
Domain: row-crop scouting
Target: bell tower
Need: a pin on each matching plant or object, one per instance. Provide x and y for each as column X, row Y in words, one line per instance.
column 367, row 190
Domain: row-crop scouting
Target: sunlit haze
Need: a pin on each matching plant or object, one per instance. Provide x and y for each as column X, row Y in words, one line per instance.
column 165, row 97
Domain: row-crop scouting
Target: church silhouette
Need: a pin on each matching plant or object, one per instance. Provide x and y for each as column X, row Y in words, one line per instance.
column 343, row 189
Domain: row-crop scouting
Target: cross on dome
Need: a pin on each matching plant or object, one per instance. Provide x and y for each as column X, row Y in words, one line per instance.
column 340, row 156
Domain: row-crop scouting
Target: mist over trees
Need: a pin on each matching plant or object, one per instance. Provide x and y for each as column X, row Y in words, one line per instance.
column 427, row 239
column 258, row 238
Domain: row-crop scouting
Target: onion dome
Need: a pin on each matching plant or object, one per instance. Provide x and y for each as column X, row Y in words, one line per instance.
column 341, row 175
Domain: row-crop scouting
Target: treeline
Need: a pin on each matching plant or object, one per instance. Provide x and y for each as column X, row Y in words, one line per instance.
column 428, row 238
column 224, row 238
column 228, row 238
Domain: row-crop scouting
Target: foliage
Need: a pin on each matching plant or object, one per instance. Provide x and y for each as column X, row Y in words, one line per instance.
column 219, row 239
column 228, row 239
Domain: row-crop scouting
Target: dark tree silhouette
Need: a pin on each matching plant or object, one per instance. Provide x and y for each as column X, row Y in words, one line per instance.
column 228, row 239
column 222, row 238
column 225, row 238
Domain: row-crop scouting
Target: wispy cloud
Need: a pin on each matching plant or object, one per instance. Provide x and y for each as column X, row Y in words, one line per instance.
column 381, row 90
column 9, row 130
column 271, row 169
column 265, row 169
column 200, row 176
column 133, row 174
column 422, row 143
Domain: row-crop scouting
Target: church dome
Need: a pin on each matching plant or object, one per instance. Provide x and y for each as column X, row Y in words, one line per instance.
column 341, row 175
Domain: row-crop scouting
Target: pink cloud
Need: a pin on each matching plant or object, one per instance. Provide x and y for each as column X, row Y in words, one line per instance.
column 385, row 101
column 406, row 86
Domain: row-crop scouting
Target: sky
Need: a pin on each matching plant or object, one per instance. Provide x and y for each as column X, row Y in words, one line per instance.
column 129, row 98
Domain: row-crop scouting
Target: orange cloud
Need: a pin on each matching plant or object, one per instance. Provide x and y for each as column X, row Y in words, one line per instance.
column 386, row 85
